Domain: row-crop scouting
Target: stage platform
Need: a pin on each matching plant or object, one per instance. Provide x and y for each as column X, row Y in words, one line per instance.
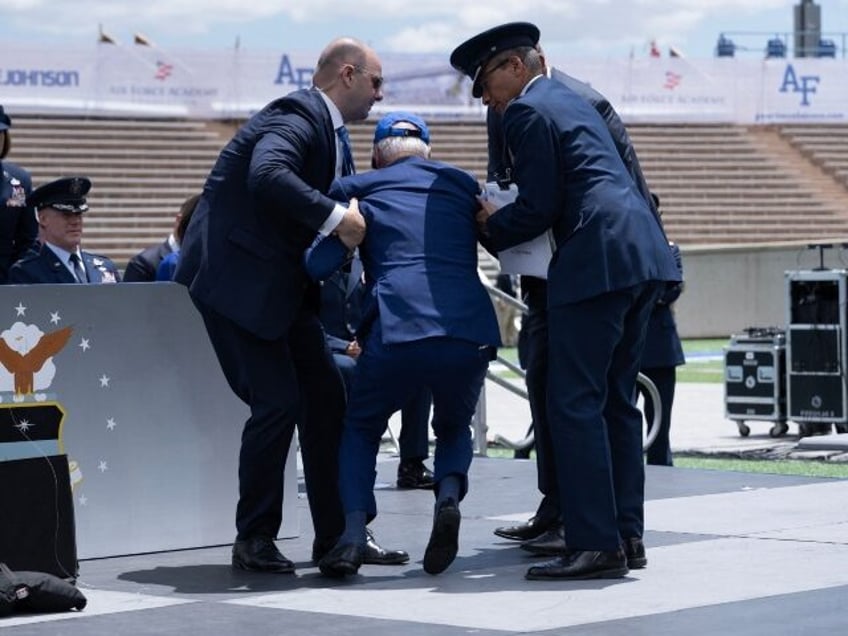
column 736, row 553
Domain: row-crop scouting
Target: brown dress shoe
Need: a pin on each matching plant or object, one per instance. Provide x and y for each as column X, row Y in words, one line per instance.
column 260, row 554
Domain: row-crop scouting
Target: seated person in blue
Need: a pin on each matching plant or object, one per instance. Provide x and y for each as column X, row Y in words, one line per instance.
column 342, row 295
column 428, row 323
column 168, row 265
column 60, row 206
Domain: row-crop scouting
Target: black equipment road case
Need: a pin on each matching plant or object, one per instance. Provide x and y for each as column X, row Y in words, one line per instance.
column 755, row 379
column 817, row 323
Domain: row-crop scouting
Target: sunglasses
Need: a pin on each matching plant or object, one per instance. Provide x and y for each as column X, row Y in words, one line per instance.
column 376, row 79
column 483, row 82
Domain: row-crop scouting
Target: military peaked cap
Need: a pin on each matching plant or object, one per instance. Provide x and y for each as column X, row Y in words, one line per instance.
column 66, row 195
column 471, row 56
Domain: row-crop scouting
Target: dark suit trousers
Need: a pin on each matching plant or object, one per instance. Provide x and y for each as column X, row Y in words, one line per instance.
column 534, row 329
column 414, row 439
column 595, row 351
column 387, row 377
column 288, row 382
column 414, row 436
column 665, row 378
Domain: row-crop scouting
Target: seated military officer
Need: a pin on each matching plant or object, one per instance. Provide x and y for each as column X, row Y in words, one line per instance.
column 59, row 207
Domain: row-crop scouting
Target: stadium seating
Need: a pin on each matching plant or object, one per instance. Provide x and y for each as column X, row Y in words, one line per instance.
column 719, row 184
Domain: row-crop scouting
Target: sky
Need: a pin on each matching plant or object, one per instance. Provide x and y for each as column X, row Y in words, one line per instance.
column 570, row 28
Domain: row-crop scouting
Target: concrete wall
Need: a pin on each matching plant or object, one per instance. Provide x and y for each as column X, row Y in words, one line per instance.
column 728, row 289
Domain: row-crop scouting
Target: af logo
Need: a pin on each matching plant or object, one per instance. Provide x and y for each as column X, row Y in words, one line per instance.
column 26, row 354
column 804, row 84
column 31, row 420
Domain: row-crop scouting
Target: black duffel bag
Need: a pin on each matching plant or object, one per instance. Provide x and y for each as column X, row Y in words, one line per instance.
column 36, row 592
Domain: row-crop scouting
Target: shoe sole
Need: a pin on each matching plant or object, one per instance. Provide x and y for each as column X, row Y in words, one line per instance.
column 414, row 486
column 444, row 541
column 282, row 569
column 387, row 561
column 514, row 537
column 536, row 551
column 615, row 573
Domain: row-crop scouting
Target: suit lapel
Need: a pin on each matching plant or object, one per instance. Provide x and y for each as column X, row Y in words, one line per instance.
column 57, row 270
column 92, row 272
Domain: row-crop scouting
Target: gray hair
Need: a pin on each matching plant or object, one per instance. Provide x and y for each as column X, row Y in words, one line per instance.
column 391, row 149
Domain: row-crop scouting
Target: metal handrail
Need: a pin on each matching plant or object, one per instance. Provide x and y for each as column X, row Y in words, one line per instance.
column 649, row 389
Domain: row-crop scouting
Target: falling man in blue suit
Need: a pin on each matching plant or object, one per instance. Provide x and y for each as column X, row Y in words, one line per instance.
column 427, row 322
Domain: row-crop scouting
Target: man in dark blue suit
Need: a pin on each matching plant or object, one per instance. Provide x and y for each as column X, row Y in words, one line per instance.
column 60, row 206
column 242, row 260
column 428, row 323
column 662, row 355
column 342, row 296
column 610, row 264
column 543, row 533
column 18, row 227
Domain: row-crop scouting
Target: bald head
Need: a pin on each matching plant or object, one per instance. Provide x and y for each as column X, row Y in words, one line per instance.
column 340, row 51
column 350, row 74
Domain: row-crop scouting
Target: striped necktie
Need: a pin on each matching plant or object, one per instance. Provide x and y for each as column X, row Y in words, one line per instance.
column 347, row 153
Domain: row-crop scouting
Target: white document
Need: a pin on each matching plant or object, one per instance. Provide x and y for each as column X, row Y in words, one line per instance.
column 531, row 258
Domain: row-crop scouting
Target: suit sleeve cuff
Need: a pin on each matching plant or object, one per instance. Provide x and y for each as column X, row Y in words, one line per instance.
column 333, row 220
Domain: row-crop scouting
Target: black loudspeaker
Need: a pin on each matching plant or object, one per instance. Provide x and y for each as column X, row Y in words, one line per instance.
column 815, row 350
column 817, row 397
column 37, row 516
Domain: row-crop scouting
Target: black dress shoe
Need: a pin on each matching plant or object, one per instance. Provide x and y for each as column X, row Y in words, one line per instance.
column 412, row 473
column 581, row 564
column 551, row 543
column 259, row 554
column 535, row 527
column 444, row 538
column 634, row 550
column 375, row 554
column 320, row 547
column 343, row 560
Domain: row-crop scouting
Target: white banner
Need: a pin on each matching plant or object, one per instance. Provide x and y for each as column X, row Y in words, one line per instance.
column 141, row 80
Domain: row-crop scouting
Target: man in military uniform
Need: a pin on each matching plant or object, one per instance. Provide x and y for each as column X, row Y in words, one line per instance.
column 59, row 209
column 18, row 228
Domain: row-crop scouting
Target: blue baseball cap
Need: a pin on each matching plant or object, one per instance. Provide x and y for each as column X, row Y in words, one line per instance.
column 385, row 127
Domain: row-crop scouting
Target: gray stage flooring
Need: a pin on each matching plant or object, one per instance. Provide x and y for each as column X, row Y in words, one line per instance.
column 734, row 553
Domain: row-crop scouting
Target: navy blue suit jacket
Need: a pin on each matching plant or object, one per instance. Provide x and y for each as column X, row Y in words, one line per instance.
column 420, row 252
column 571, row 179
column 44, row 266
column 262, row 204
column 662, row 342
column 499, row 160
column 18, row 227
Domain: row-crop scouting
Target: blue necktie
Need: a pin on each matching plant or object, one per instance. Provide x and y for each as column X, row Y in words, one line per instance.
column 347, row 154
column 79, row 272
